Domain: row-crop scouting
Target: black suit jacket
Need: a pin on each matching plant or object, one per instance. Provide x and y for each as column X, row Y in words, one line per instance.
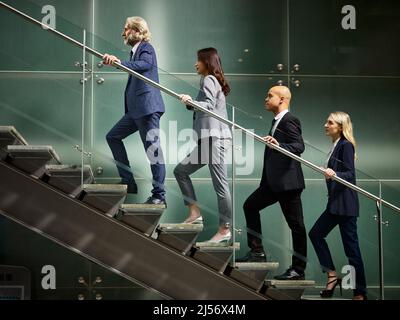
column 281, row 173
column 341, row 199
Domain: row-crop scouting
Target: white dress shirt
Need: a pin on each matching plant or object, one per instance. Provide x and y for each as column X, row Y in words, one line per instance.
column 330, row 152
column 134, row 49
column 278, row 119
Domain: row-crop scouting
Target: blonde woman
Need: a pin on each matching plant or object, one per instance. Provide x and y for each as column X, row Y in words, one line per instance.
column 342, row 208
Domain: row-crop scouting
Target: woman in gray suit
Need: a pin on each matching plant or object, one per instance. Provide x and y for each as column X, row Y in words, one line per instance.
column 213, row 139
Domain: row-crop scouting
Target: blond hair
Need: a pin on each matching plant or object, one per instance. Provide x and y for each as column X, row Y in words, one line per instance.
column 344, row 121
column 140, row 28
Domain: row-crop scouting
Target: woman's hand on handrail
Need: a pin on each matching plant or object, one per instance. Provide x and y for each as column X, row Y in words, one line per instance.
column 329, row 173
column 185, row 98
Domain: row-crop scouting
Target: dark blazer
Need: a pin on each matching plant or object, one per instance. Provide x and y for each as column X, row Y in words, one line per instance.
column 281, row 173
column 142, row 99
column 341, row 199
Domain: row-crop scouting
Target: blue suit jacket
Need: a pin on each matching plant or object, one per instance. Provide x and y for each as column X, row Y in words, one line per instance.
column 142, row 99
column 341, row 199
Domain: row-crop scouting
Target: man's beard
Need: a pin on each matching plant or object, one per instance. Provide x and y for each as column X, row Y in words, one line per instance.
column 130, row 40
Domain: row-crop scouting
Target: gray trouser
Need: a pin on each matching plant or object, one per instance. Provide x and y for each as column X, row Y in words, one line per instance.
column 211, row 152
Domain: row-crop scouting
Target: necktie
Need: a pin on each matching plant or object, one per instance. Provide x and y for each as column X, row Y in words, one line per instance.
column 272, row 126
column 130, row 58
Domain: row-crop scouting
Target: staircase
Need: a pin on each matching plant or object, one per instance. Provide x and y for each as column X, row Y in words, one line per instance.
column 92, row 220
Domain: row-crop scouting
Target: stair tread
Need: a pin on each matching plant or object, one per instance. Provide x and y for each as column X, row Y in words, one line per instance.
column 12, row 132
column 217, row 246
column 317, row 297
column 180, row 227
column 109, row 188
column 142, row 208
column 26, row 149
column 290, row 283
column 62, row 171
column 23, row 148
column 257, row 265
column 66, row 167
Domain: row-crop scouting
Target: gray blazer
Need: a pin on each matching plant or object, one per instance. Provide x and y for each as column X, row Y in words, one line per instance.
column 212, row 98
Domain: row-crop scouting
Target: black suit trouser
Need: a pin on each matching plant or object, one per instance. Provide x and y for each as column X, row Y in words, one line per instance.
column 290, row 202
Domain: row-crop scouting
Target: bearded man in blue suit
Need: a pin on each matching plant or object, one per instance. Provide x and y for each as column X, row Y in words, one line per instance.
column 144, row 107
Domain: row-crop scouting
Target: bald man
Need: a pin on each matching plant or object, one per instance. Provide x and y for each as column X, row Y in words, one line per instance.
column 282, row 181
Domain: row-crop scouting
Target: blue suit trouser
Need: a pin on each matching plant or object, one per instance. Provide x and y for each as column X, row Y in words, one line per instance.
column 348, row 231
column 148, row 127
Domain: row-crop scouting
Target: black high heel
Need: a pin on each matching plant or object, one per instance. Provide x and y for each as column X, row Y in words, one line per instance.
column 328, row 293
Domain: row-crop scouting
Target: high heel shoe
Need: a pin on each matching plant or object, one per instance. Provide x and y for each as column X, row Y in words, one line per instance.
column 198, row 220
column 328, row 293
column 225, row 238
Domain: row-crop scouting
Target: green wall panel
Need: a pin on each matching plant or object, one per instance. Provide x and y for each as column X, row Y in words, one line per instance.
column 320, row 45
column 26, row 46
column 230, row 26
column 46, row 108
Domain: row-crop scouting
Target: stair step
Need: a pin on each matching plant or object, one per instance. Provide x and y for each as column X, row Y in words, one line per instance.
column 290, row 284
column 180, row 227
column 105, row 197
column 210, row 246
column 32, row 159
column 9, row 132
column 33, row 152
column 143, row 217
column 180, row 236
column 9, row 136
column 252, row 274
column 270, row 266
column 318, row 297
column 67, row 178
column 292, row 289
column 214, row 255
column 105, row 188
column 142, row 208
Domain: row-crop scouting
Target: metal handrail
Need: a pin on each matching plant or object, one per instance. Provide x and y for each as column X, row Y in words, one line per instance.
column 197, row 106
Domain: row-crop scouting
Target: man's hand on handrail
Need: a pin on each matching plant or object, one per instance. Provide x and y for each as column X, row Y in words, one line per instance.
column 271, row 140
column 109, row 59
